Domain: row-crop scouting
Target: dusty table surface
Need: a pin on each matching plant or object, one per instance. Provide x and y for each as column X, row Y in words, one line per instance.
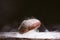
column 31, row 35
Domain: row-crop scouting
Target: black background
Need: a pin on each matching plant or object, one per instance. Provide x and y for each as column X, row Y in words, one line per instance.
column 14, row 10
